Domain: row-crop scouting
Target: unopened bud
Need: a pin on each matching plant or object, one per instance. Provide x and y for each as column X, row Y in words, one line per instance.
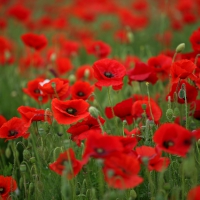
column 180, row 48
column 22, row 168
column 176, row 112
column 72, row 78
column 133, row 194
column 26, row 154
column 93, row 112
column 32, row 160
column 87, row 73
column 169, row 114
column 53, row 57
column 31, row 188
column 8, row 152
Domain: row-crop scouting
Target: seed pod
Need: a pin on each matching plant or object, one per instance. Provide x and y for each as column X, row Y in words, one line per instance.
column 26, row 154
column 169, row 114
column 22, row 168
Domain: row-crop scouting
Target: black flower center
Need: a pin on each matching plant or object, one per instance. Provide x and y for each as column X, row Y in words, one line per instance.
column 100, row 151
column 187, row 142
column 168, row 144
column 108, row 74
column 71, row 111
column 1, row 190
column 80, row 94
column 12, row 133
column 198, row 42
column 37, row 91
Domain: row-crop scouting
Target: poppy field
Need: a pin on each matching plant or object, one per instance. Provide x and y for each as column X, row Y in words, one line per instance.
column 100, row 100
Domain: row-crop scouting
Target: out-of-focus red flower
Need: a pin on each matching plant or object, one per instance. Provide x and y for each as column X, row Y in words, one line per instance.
column 164, row 38
column 81, row 90
column 30, row 114
column 193, row 194
column 14, row 128
column 63, row 65
column 140, row 5
column 35, row 41
column 2, row 120
column 130, row 62
column 68, row 112
column 142, row 72
column 153, row 158
column 19, row 12
column 99, row 49
column 173, row 138
column 67, row 158
column 3, row 23
column 33, row 90
column 70, row 48
column 133, row 133
column 121, row 110
column 155, row 110
column 85, row 72
column 191, row 92
column 128, row 143
column 121, row 171
column 162, row 65
column 7, row 185
column 55, row 88
column 195, row 40
column 109, row 72
column 122, row 36
column 189, row 17
column 182, row 69
column 81, row 130
column 196, row 105
column 60, row 23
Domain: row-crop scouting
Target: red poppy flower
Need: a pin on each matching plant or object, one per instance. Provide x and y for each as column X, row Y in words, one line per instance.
column 68, row 112
column 142, row 72
column 173, row 138
column 14, row 128
column 121, row 171
column 162, row 65
column 81, row 90
column 137, row 110
column 98, row 146
column 136, row 133
column 153, row 156
column 130, row 62
column 109, row 73
column 34, row 41
column 63, row 65
column 55, row 88
column 99, row 49
column 67, row 157
column 83, row 71
column 182, row 69
column 191, row 92
column 121, row 110
column 193, row 194
column 70, row 48
column 7, row 185
column 29, row 114
column 196, row 105
column 2, row 120
column 128, row 143
column 33, row 90
column 195, row 40
column 81, row 130
column 121, row 36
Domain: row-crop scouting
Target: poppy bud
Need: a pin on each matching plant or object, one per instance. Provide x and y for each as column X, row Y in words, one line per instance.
column 167, row 186
column 133, row 194
column 32, row 160
column 180, row 48
column 22, row 168
column 53, row 57
column 21, row 183
column 26, row 154
column 130, row 35
column 72, row 78
column 86, row 73
column 31, row 188
column 8, row 152
column 176, row 112
column 169, row 114
column 93, row 112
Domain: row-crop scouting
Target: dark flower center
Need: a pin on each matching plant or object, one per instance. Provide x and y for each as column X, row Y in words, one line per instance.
column 80, row 94
column 108, row 74
column 71, row 111
column 1, row 190
column 168, row 144
column 198, row 42
column 37, row 91
column 100, row 151
column 187, row 142
column 12, row 133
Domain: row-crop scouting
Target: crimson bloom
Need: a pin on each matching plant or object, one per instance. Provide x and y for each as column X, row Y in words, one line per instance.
column 34, row 41
column 153, row 156
column 67, row 157
column 109, row 72
column 182, row 69
column 195, row 40
column 63, row 65
column 7, row 185
column 121, row 110
column 193, row 194
column 99, row 49
column 142, row 72
column 14, row 128
column 33, row 90
column 81, row 90
column 55, row 88
column 2, row 120
column 68, row 112
column 81, row 130
column 30, row 114
column 120, row 171
column 173, row 138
